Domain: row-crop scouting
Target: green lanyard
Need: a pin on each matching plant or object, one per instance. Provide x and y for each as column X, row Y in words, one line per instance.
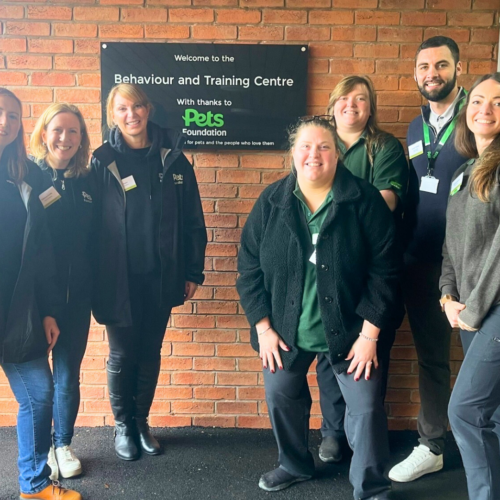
column 431, row 156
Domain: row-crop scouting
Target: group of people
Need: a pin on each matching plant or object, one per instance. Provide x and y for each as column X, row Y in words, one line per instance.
column 124, row 239
column 330, row 258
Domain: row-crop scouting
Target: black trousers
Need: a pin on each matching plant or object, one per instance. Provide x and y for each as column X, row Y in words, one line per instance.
column 432, row 336
column 289, row 403
column 331, row 399
column 135, row 352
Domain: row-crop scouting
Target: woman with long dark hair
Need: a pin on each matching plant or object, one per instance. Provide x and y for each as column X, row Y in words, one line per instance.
column 29, row 303
column 470, row 286
column 150, row 256
column 60, row 146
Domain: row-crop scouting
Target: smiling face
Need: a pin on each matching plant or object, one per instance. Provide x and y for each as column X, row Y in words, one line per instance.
column 131, row 118
column 315, row 156
column 62, row 137
column 436, row 73
column 10, row 121
column 352, row 111
column 483, row 111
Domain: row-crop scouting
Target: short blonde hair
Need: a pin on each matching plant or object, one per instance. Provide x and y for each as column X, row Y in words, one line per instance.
column 129, row 91
column 79, row 163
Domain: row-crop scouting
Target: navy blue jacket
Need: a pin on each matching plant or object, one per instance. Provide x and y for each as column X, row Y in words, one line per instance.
column 425, row 214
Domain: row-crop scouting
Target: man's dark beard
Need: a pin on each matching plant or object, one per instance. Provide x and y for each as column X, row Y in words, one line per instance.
column 439, row 95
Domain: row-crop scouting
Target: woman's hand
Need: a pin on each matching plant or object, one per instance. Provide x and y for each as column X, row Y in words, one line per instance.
column 465, row 326
column 189, row 290
column 269, row 344
column 364, row 355
column 452, row 309
column 51, row 331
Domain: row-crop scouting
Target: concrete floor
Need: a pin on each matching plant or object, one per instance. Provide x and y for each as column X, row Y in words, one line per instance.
column 219, row 464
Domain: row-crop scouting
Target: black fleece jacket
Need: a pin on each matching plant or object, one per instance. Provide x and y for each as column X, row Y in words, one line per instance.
column 182, row 235
column 357, row 265
column 72, row 230
column 35, row 295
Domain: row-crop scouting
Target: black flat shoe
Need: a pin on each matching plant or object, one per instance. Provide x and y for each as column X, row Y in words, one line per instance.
column 279, row 479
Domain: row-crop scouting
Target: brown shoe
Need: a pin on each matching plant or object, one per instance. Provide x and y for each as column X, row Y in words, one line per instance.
column 53, row 492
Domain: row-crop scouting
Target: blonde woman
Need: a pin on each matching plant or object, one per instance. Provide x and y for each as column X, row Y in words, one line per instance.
column 60, row 146
column 150, row 256
column 470, row 286
column 29, row 303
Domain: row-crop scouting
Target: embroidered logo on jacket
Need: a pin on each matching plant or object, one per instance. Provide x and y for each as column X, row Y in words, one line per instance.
column 86, row 197
column 178, row 178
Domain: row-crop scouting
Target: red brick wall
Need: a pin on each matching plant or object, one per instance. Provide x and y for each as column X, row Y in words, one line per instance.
column 49, row 51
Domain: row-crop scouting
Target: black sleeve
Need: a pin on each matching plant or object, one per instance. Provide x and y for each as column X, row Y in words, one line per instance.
column 195, row 233
column 254, row 299
column 379, row 303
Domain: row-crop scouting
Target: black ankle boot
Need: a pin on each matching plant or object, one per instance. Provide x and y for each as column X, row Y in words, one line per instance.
column 125, row 446
column 148, row 442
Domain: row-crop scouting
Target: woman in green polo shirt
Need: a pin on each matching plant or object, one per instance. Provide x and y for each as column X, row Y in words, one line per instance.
column 318, row 271
column 379, row 158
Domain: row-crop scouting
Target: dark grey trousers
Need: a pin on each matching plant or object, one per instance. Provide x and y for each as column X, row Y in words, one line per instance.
column 431, row 335
column 289, row 403
column 330, row 396
column 474, row 409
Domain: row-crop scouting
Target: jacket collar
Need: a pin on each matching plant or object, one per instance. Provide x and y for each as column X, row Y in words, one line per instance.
column 345, row 189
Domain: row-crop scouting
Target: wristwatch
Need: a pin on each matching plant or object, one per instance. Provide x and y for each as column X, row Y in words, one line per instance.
column 444, row 299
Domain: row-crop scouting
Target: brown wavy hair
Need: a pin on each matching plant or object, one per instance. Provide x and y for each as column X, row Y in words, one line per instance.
column 78, row 165
column 375, row 136
column 15, row 152
column 485, row 173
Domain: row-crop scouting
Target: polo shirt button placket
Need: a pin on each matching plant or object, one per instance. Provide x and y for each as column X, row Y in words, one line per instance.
column 324, row 267
column 328, row 299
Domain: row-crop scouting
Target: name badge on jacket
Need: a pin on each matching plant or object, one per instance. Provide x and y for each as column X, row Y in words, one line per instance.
column 49, row 196
column 129, row 183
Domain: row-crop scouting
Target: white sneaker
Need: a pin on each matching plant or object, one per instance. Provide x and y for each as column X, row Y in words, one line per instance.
column 52, row 463
column 69, row 465
column 421, row 461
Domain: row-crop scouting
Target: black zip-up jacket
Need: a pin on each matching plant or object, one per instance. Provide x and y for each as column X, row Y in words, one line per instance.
column 35, row 296
column 425, row 214
column 182, row 235
column 357, row 263
column 71, row 228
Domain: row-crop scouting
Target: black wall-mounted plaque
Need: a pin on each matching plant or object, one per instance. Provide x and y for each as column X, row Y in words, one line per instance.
column 221, row 96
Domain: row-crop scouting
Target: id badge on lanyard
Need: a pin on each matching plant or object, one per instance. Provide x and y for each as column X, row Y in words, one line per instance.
column 429, row 183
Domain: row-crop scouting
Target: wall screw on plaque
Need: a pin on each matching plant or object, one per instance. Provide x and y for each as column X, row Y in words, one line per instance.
column 104, row 46
column 303, row 49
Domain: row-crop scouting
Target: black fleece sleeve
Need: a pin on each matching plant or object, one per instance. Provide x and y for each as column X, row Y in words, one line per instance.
column 379, row 304
column 250, row 285
column 195, row 233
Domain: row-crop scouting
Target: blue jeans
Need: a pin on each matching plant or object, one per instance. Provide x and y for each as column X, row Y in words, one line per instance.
column 32, row 385
column 474, row 409
column 66, row 361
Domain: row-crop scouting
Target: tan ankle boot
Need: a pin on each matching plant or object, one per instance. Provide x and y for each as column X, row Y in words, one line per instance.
column 53, row 492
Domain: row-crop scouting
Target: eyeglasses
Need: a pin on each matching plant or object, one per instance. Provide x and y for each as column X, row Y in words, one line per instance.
column 312, row 118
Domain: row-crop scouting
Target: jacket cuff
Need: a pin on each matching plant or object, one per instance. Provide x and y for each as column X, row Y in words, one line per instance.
column 471, row 318
column 257, row 314
column 450, row 290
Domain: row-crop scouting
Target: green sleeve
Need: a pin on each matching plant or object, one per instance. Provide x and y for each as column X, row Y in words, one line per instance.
column 390, row 168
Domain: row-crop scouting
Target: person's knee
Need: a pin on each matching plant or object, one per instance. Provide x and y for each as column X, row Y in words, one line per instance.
column 461, row 413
